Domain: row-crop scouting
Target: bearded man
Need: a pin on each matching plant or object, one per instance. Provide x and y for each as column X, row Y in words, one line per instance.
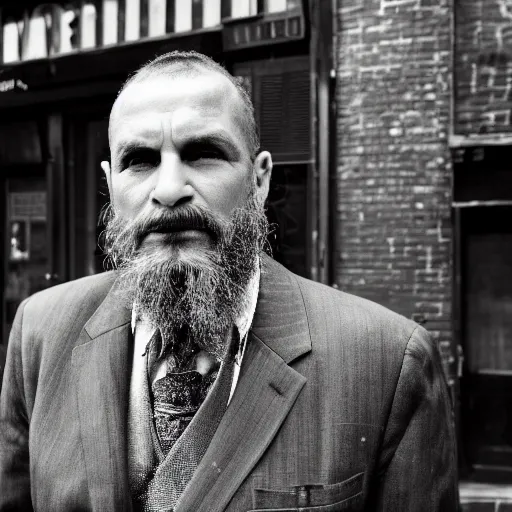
column 200, row 375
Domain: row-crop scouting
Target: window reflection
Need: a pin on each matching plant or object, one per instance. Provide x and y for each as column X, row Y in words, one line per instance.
column 275, row 5
column 88, row 26
column 68, row 25
column 157, row 17
column 110, row 11
column 211, row 13
column 243, row 8
column 18, row 241
column 11, row 42
column 35, row 40
column 183, row 16
column 132, row 23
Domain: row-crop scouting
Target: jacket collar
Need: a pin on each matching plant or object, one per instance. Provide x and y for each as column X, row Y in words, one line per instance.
column 111, row 313
column 280, row 320
column 267, row 389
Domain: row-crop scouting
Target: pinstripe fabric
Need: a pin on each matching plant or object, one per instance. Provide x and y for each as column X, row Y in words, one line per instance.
column 340, row 405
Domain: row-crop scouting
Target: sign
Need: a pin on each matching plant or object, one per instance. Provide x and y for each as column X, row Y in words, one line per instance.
column 13, row 83
column 249, row 33
column 27, row 205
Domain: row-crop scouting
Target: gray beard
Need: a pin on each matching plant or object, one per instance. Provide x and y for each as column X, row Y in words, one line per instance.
column 193, row 301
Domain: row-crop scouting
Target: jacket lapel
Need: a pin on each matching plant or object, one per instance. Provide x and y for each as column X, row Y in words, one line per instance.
column 265, row 393
column 101, row 370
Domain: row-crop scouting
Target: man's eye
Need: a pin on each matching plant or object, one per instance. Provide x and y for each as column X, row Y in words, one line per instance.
column 140, row 159
column 196, row 153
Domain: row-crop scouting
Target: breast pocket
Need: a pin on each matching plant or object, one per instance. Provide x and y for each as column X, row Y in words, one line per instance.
column 340, row 496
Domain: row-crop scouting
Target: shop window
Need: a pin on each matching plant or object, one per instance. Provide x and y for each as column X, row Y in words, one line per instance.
column 25, row 239
column 67, row 33
column 35, row 43
column 132, row 20
column 287, row 213
column 157, row 16
column 275, row 5
column 110, row 13
column 20, row 143
column 183, row 13
column 211, row 13
column 244, row 8
column 11, row 42
column 88, row 26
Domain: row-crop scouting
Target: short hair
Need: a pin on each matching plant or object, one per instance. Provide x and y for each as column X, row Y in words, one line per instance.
column 189, row 62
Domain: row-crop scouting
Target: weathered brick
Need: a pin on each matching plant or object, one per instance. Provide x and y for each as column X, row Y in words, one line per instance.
column 483, row 72
column 394, row 167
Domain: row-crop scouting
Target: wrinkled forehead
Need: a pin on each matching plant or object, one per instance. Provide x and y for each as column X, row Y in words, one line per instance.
column 180, row 105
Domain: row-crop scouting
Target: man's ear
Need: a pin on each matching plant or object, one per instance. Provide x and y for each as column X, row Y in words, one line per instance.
column 105, row 165
column 262, row 168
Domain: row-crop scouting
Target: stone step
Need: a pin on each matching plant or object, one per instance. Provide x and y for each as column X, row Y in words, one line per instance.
column 481, row 497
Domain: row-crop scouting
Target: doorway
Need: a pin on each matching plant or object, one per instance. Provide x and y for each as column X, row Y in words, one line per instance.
column 486, row 301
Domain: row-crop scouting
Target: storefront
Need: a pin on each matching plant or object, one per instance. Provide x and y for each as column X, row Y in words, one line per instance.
column 62, row 66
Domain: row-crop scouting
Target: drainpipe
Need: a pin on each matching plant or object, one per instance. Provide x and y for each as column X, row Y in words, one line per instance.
column 322, row 59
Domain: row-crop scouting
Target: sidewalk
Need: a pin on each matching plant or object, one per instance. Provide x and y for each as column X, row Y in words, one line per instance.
column 477, row 497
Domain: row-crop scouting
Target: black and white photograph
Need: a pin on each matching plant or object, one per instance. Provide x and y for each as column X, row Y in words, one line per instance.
column 256, row 255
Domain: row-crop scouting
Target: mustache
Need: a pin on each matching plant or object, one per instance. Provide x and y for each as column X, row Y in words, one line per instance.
column 175, row 220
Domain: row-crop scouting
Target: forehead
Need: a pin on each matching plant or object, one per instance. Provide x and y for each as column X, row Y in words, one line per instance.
column 184, row 105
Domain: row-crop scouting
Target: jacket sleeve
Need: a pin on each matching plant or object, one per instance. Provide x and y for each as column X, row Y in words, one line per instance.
column 14, row 428
column 418, row 465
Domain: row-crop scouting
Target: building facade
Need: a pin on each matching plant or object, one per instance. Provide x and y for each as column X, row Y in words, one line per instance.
column 389, row 124
column 424, row 193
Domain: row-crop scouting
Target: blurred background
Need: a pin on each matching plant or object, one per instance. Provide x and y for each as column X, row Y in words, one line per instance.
column 389, row 122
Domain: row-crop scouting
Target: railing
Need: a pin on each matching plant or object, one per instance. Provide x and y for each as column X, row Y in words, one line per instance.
column 52, row 29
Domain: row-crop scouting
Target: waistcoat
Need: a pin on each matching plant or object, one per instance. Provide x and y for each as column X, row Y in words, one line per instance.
column 157, row 481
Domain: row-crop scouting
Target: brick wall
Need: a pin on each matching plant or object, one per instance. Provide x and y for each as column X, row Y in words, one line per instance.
column 394, row 170
column 483, row 74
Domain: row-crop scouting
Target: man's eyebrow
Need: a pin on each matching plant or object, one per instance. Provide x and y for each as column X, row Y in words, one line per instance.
column 216, row 139
column 126, row 147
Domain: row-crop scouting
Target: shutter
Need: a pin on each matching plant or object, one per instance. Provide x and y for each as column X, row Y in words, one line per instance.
column 282, row 102
column 284, row 113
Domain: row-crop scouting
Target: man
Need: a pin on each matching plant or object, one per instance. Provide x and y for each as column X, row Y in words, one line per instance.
column 201, row 375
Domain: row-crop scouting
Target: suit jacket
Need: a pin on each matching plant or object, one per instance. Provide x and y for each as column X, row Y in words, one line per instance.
column 341, row 405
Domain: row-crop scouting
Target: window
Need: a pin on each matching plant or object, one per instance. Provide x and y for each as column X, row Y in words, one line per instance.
column 132, row 20
column 68, row 21
column 275, row 5
column 35, row 41
column 157, row 17
column 243, row 8
column 11, row 42
column 211, row 13
column 183, row 16
column 88, row 26
column 110, row 12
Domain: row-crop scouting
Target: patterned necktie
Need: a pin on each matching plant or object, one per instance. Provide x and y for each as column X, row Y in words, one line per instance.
column 177, row 397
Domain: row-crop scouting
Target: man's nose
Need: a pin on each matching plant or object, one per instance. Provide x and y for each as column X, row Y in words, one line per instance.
column 172, row 187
